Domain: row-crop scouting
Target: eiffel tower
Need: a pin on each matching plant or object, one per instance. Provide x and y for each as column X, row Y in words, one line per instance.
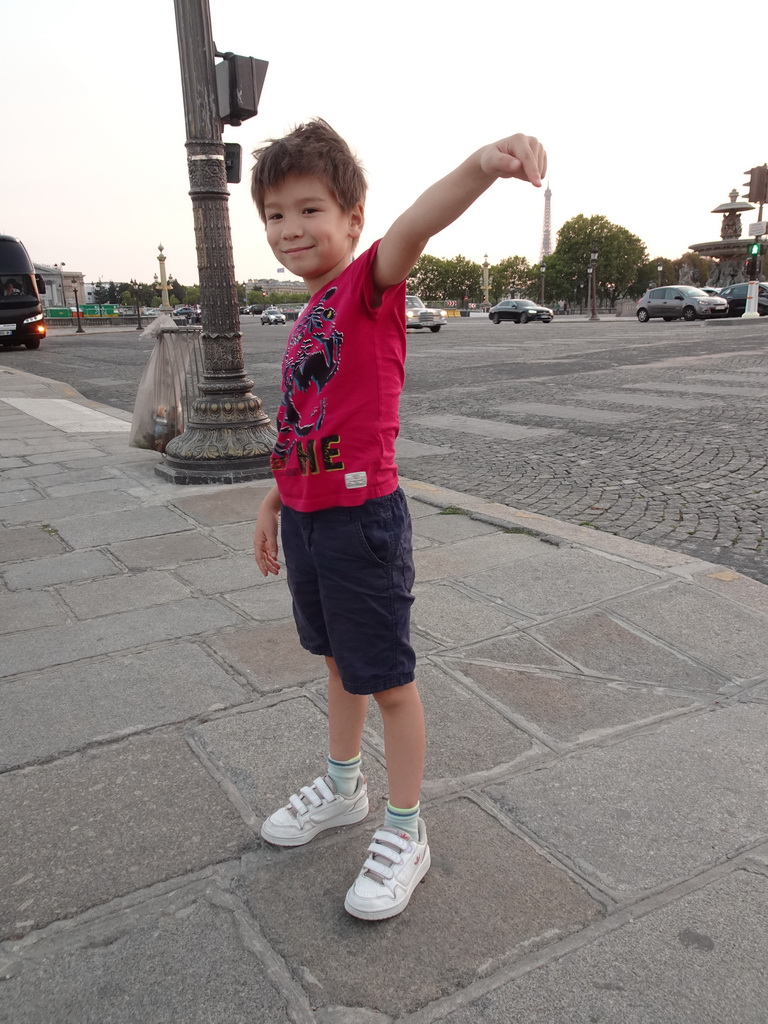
column 546, row 234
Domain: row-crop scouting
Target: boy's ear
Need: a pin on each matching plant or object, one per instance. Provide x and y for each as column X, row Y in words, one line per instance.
column 356, row 220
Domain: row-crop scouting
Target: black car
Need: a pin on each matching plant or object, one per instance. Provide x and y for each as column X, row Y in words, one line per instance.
column 520, row 311
column 736, row 297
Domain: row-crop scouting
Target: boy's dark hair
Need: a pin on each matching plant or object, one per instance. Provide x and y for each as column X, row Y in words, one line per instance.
column 311, row 148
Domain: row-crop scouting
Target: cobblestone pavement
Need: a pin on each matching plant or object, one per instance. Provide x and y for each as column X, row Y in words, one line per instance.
column 654, row 431
column 657, row 435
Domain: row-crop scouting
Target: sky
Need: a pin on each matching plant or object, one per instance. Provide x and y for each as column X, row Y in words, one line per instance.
column 637, row 125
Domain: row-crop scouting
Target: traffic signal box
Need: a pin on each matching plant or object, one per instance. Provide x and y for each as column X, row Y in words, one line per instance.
column 757, row 186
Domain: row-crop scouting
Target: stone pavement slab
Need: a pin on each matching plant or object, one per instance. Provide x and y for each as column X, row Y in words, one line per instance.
column 728, row 638
column 188, row 967
column 700, row 960
column 28, row 542
column 568, row 708
column 35, row 573
column 85, row 829
column 270, row 752
column 160, row 552
column 466, row 735
column 250, row 651
column 238, row 503
column 558, row 579
column 66, row 707
column 123, row 593
column 58, row 645
column 93, row 530
column 29, row 611
column 520, row 901
column 47, row 509
column 451, row 616
column 599, row 644
column 653, row 808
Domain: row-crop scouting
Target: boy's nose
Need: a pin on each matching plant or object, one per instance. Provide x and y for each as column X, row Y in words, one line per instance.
column 290, row 228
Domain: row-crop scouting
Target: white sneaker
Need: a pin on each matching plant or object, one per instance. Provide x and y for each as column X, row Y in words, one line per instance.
column 312, row 810
column 396, row 865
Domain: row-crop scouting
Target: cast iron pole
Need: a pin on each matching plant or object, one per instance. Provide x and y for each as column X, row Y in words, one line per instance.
column 227, row 438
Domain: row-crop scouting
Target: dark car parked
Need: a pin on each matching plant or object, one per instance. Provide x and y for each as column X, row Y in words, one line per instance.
column 519, row 311
column 736, row 297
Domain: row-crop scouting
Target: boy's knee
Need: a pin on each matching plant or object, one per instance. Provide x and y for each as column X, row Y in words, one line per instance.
column 395, row 697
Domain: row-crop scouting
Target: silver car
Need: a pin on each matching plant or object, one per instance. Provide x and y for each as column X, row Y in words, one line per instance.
column 680, row 301
column 272, row 315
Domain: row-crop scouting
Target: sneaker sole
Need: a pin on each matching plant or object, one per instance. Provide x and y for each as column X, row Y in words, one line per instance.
column 395, row 909
column 306, row 836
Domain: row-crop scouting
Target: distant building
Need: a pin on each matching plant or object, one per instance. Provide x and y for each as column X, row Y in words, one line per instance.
column 273, row 284
column 60, row 285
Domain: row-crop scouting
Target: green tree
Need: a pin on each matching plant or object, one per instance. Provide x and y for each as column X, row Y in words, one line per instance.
column 508, row 277
column 287, row 298
column 193, row 294
column 463, row 279
column 621, row 255
column 429, row 279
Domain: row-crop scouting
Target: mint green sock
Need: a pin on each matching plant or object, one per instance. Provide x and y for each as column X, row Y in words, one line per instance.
column 405, row 819
column 344, row 774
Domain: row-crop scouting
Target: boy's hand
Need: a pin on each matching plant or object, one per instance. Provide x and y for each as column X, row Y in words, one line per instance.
column 265, row 535
column 519, row 156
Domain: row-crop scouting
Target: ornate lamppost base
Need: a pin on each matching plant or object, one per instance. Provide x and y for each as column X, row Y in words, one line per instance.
column 215, row 454
column 205, row 471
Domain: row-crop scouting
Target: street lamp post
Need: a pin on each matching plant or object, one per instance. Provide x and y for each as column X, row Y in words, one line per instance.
column 593, row 278
column 486, row 281
column 77, row 313
column 135, row 286
column 659, row 271
column 543, row 272
column 227, row 437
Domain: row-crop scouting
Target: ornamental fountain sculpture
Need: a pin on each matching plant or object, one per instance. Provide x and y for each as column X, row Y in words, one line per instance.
column 729, row 254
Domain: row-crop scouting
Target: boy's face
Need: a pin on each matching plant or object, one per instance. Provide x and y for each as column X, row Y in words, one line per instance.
column 308, row 231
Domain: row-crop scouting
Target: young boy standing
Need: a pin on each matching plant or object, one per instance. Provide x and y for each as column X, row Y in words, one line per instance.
column 345, row 527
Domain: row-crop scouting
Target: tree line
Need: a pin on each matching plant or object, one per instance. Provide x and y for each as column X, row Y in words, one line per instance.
column 123, row 293
column 623, row 270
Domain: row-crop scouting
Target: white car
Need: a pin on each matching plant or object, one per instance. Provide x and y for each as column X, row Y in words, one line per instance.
column 272, row 315
column 417, row 315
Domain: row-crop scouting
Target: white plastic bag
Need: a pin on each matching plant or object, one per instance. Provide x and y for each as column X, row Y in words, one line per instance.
column 158, row 414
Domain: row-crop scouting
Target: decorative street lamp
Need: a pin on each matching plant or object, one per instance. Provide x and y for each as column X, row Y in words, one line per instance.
column 659, row 271
column 227, row 437
column 60, row 268
column 486, row 282
column 135, row 286
column 543, row 272
column 77, row 313
column 593, row 277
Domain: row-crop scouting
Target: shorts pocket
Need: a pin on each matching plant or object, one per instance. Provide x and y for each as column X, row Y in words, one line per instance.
column 376, row 541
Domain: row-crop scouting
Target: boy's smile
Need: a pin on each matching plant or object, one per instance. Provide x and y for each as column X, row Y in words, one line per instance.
column 308, row 231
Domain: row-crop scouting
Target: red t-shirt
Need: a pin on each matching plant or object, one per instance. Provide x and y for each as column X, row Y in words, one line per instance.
column 343, row 372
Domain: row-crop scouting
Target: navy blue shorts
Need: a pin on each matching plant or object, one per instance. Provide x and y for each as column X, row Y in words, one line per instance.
column 350, row 573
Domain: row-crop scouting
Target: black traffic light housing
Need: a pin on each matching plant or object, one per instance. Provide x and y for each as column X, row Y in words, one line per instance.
column 757, row 186
column 239, row 81
column 233, row 161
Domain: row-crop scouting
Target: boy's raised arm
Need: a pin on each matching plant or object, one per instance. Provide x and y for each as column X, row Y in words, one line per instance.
column 519, row 156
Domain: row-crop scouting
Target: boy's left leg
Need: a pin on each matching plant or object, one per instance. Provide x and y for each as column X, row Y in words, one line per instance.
column 399, row 855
